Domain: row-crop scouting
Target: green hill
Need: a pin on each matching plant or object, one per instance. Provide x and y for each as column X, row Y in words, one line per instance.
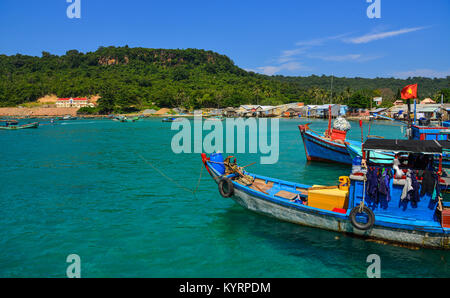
column 130, row 79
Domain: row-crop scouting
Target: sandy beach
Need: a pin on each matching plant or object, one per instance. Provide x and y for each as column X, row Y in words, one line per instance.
column 37, row 112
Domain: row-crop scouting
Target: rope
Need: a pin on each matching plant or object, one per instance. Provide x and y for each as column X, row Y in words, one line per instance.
column 361, row 206
column 172, row 180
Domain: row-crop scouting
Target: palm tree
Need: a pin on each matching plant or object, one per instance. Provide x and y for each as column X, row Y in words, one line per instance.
column 347, row 93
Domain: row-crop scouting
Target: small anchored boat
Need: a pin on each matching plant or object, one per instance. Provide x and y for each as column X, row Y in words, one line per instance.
column 171, row 119
column 326, row 147
column 420, row 218
column 329, row 146
column 121, row 118
column 69, row 117
column 13, row 124
column 214, row 119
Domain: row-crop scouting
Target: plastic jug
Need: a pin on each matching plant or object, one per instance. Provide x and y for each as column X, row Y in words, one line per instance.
column 356, row 164
column 217, row 162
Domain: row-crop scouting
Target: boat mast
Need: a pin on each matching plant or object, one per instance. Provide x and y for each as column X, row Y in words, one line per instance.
column 408, row 102
column 331, row 101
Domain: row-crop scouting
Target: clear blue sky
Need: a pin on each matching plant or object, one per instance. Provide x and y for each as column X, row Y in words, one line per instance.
column 296, row 37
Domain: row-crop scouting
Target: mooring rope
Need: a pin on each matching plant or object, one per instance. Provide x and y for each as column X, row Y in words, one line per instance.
column 172, row 180
column 361, row 205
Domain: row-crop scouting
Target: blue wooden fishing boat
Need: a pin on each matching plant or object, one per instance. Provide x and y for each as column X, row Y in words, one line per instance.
column 417, row 132
column 388, row 157
column 325, row 147
column 171, row 119
column 346, row 208
column 69, row 117
column 439, row 133
column 328, row 146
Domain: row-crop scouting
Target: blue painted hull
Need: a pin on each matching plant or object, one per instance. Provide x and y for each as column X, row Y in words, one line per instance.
column 318, row 148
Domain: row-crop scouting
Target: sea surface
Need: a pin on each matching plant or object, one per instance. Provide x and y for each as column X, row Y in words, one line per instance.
column 116, row 194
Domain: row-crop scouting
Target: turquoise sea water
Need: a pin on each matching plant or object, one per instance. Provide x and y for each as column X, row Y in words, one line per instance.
column 81, row 187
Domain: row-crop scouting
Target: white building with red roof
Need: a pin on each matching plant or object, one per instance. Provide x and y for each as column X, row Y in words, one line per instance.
column 73, row 102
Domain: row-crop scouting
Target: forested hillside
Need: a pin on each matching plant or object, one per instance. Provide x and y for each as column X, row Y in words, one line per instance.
column 130, row 79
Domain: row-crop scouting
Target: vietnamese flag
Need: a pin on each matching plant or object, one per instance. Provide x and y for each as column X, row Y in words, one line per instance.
column 409, row 92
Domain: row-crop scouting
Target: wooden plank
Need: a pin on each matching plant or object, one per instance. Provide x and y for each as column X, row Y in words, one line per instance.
column 286, row 195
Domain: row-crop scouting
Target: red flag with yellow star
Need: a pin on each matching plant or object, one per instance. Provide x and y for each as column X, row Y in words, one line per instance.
column 409, row 92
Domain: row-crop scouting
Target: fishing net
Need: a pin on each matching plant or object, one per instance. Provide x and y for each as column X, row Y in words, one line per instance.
column 341, row 124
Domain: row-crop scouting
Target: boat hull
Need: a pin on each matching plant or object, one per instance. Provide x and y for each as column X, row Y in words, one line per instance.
column 404, row 237
column 24, row 126
column 318, row 148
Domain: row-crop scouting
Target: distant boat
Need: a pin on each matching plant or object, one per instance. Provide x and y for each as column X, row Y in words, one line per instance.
column 171, row 119
column 13, row 124
column 125, row 119
column 214, row 119
column 69, row 117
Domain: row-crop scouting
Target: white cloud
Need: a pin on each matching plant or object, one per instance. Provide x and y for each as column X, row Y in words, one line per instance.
column 341, row 58
column 350, row 57
column 271, row 70
column 377, row 36
column 320, row 41
column 289, row 55
column 428, row 73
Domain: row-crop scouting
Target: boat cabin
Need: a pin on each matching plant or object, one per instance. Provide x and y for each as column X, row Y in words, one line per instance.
column 438, row 133
column 409, row 190
column 9, row 122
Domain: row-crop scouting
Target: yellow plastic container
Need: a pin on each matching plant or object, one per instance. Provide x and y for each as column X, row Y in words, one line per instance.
column 328, row 199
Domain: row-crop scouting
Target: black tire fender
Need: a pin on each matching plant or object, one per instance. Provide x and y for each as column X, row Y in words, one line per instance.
column 362, row 226
column 226, row 187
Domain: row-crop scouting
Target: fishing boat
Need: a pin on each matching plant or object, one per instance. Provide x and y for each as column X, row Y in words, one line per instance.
column 377, row 157
column 347, row 208
column 418, row 131
column 121, row 118
column 171, row 119
column 326, row 147
column 133, row 119
column 13, row 124
column 69, row 117
column 329, row 146
column 214, row 119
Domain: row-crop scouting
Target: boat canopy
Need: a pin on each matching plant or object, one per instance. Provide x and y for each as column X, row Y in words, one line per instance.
column 409, row 146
